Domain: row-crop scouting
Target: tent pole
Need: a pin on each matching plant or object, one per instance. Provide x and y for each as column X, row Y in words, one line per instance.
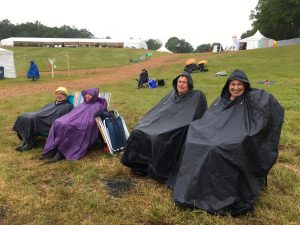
column 68, row 64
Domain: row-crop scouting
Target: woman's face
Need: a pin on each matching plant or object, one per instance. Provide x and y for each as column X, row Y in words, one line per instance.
column 88, row 97
column 236, row 89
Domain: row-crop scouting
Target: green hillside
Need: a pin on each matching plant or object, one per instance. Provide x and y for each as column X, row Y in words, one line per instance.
column 75, row 192
column 79, row 58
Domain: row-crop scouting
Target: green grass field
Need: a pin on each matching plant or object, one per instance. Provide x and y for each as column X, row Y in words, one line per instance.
column 76, row 192
column 79, row 58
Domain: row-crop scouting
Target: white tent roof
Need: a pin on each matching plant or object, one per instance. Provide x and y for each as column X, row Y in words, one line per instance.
column 7, row 61
column 256, row 36
column 10, row 41
column 257, row 41
column 163, row 49
column 135, row 43
column 130, row 43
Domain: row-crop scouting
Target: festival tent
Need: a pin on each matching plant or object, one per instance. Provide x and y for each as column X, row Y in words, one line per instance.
column 163, row 49
column 135, row 43
column 7, row 61
column 257, row 41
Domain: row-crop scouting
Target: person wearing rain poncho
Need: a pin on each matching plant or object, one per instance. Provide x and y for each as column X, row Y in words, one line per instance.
column 72, row 134
column 33, row 124
column 230, row 150
column 153, row 148
column 33, row 71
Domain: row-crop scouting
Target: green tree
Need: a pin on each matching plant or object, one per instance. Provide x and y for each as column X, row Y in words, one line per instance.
column 178, row 45
column 6, row 29
column 37, row 29
column 204, row 48
column 153, row 44
column 277, row 19
column 248, row 33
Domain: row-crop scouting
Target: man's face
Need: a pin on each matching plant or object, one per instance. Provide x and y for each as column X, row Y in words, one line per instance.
column 182, row 85
column 60, row 96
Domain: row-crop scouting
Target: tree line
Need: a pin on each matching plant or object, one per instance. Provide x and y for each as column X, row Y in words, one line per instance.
column 177, row 45
column 37, row 29
column 275, row 19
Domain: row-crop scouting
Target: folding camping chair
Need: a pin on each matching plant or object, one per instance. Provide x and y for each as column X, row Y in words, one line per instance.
column 113, row 130
column 105, row 127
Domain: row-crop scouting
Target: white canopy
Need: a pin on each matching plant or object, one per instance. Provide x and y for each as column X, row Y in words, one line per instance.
column 7, row 61
column 163, row 49
column 135, row 43
column 131, row 43
column 257, row 41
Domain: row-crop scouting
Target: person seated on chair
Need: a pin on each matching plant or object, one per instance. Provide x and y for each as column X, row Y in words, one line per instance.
column 153, row 148
column 72, row 134
column 30, row 125
column 144, row 77
column 229, row 152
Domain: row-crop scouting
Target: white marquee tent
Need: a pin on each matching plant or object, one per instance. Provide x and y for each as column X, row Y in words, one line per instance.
column 163, row 49
column 257, row 41
column 7, row 61
column 135, row 43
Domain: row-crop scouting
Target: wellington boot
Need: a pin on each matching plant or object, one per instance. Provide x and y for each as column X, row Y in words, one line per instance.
column 49, row 155
column 57, row 157
column 20, row 146
column 26, row 147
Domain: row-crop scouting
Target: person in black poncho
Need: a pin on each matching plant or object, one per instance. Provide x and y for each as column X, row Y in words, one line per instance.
column 230, row 150
column 33, row 124
column 153, row 148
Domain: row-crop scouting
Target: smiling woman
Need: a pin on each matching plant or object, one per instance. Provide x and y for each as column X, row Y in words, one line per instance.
column 229, row 152
column 236, row 86
column 236, row 89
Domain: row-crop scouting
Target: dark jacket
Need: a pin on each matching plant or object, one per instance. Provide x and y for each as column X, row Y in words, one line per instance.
column 144, row 76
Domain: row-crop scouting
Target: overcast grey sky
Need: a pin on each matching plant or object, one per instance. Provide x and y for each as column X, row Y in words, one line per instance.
column 196, row 21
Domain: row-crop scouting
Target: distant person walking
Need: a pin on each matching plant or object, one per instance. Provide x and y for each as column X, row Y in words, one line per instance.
column 33, row 72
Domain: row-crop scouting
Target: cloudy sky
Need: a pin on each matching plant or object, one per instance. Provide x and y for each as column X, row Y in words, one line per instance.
column 196, row 21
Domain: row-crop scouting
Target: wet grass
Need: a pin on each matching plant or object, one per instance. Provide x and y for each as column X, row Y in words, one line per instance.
column 99, row 190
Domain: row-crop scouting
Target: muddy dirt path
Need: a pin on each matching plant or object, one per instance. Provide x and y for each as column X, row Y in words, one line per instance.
column 102, row 75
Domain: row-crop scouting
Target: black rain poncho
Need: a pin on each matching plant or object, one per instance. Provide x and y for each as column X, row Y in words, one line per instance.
column 32, row 124
column 229, row 152
column 155, row 143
